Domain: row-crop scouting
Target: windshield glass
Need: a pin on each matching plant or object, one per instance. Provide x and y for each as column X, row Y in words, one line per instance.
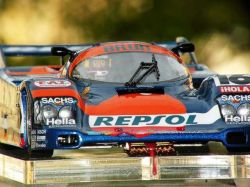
column 120, row 67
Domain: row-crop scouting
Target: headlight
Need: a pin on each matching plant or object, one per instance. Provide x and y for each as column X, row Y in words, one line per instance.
column 49, row 111
column 65, row 112
column 244, row 110
column 227, row 110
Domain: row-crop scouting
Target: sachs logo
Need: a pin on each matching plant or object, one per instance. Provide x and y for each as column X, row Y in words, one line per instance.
column 235, row 98
column 57, row 100
column 52, row 83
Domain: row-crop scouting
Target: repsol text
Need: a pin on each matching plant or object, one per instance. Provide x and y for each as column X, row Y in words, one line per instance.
column 149, row 120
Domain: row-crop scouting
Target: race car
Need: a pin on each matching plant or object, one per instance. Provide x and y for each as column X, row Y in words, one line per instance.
column 133, row 94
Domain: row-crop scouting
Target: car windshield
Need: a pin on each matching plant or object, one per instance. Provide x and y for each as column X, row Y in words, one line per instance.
column 120, row 67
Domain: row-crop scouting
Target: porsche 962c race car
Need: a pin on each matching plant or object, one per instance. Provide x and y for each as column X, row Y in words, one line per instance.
column 123, row 93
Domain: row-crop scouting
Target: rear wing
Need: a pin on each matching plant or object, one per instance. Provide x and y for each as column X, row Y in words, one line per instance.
column 36, row 50
column 33, row 50
column 45, row 50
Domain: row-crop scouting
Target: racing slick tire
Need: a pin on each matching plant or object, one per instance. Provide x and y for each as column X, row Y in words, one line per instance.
column 34, row 154
column 26, row 154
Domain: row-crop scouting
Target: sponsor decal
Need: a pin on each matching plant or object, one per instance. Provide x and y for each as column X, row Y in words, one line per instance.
column 144, row 120
column 37, row 145
column 233, row 83
column 60, row 122
column 126, row 47
column 57, row 100
column 235, row 98
column 237, row 119
column 38, row 138
column 52, row 83
column 41, row 131
column 232, row 80
column 163, row 120
column 234, row 89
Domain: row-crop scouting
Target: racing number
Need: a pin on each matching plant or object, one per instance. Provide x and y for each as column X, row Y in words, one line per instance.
column 236, row 79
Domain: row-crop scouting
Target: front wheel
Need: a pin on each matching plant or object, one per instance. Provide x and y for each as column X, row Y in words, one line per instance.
column 29, row 153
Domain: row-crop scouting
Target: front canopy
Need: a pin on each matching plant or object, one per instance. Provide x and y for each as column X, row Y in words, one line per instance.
column 119, row 67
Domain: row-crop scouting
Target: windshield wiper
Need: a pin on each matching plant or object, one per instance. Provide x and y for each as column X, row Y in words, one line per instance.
column 150, row 67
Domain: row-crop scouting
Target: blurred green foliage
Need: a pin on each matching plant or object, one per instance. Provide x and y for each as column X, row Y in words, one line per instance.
column 31, row 61
column 87, row 21
column 150, row 20
column 161, row 19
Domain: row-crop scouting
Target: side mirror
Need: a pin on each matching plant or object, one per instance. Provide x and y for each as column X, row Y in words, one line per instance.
column 61, row 51
column 184, row 48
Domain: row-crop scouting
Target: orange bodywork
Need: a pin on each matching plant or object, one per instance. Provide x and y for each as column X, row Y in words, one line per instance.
column 137, row 104
column 37, row 70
